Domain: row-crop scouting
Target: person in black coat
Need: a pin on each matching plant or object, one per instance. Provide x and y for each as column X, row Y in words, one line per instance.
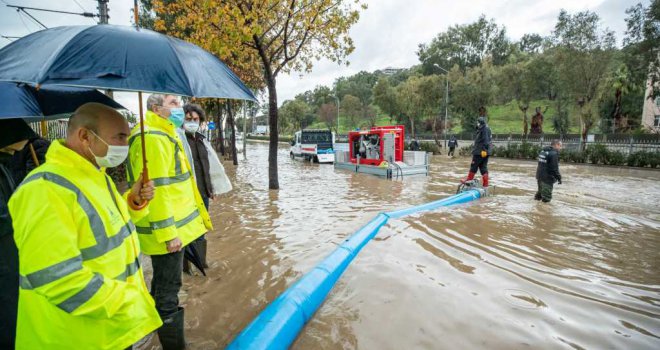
column 414, row 145
column 480, row 152
column 23, row 162
column 14, row 135
column 452, row 144
column 547, row 172
column 200, row 159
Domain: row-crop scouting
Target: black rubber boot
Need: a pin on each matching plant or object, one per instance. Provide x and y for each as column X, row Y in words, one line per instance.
column 201, row 247
column 171, row 332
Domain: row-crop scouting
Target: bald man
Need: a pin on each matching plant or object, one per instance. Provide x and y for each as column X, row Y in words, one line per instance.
column 81, row 284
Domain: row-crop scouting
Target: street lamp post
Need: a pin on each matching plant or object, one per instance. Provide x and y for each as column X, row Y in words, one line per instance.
column 446, row 99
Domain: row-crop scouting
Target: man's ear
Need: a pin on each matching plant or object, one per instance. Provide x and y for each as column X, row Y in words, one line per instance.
column 84, row 136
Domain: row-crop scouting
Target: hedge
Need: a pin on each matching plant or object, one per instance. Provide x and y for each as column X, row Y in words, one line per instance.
column 594, row 154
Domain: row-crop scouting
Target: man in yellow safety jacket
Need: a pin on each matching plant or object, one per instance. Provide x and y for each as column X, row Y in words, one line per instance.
column 177, row 215
column 81, row 285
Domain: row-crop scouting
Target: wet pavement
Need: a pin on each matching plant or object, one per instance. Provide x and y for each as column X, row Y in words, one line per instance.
column 504, row 272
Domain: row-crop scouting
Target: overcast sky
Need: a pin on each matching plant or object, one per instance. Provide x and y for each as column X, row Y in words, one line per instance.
column 387, row 35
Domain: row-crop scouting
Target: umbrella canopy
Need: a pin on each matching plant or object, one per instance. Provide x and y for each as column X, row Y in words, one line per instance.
column 119, row 58
column 192, row 254
column 53, row 102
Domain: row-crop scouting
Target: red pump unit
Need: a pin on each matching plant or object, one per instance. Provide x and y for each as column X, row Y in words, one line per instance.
column 373, row 147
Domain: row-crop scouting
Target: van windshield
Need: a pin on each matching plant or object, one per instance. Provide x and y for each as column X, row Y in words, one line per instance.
column 316, row 137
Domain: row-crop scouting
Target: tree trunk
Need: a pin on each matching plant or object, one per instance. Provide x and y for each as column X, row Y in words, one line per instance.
column 525, row 124
column 435, row 132
column 412, row 127
column 218, row 128
column 616, row 114
column 273, row 182
column 232, row 139
column 583, row 132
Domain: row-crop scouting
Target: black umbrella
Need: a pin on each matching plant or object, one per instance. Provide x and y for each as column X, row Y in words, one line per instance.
column 119, row 58
column 190, row 252
column 53, row 102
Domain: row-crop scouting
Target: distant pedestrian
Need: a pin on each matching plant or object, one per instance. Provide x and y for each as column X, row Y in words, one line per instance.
column 453, row 143
column 414, row 145
column 547, row 172
column 480, row 152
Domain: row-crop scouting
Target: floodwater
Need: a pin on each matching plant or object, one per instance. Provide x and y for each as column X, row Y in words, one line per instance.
column 504, row 272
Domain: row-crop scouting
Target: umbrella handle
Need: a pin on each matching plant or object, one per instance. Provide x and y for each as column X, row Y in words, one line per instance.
column 134, row 199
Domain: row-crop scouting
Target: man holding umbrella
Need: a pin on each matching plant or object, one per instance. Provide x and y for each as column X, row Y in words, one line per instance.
column 81, row 284
column 177, row 215
column 14, row 135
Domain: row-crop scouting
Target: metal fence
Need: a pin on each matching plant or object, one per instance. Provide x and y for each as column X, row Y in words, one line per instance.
column 56, row 129
column 624, row 143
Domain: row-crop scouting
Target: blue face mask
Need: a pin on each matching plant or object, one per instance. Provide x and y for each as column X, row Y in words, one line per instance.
column 177, row 116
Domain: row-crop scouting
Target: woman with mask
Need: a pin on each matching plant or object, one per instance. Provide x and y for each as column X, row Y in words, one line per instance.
column 14, row 135
column 200, row 155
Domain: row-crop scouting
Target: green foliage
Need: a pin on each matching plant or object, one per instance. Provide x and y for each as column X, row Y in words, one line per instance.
column 560, row 121
column 465, row 151
column 597, row 154
column 385, row 97
column 644, row 159
column 572, row 156
column 294, row 114
column 466, row 46
column 430, row 147
column 641, row 43
column 470, row 92
column 616, row 158
column 578, row 62
column 594, row 154
column 517, row 151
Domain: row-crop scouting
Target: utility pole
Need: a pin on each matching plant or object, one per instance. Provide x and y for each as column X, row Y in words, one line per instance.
column 103, row 11
column 103, row 19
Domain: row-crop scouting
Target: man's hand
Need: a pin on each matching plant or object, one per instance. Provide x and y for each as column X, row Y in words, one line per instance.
column 484, row 154
column 143, row 191
column 174, row 245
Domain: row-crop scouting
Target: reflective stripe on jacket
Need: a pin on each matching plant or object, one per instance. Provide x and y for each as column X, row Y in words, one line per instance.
column 177, row 209
column 81, row 285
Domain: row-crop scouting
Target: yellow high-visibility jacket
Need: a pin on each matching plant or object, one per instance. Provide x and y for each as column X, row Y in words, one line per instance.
column 177, row 209
column 81, row 284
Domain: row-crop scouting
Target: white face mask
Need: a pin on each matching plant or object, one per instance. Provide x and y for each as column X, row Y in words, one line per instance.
column 191, row 127
column 115, row 156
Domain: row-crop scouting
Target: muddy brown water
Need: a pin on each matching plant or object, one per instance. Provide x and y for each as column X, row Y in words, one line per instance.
column 504, row 272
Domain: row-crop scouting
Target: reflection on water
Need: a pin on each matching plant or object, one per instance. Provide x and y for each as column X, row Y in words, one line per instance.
column 504, row 272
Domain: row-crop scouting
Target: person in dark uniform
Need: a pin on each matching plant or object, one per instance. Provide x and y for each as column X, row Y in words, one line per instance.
column 200, row 159
column 480, row 152
column 14, row 135
column 414, row 145
column 547, row 172
column 452, row 144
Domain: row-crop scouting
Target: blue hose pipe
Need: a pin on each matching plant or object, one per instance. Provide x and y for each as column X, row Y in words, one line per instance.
column 278, row 326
